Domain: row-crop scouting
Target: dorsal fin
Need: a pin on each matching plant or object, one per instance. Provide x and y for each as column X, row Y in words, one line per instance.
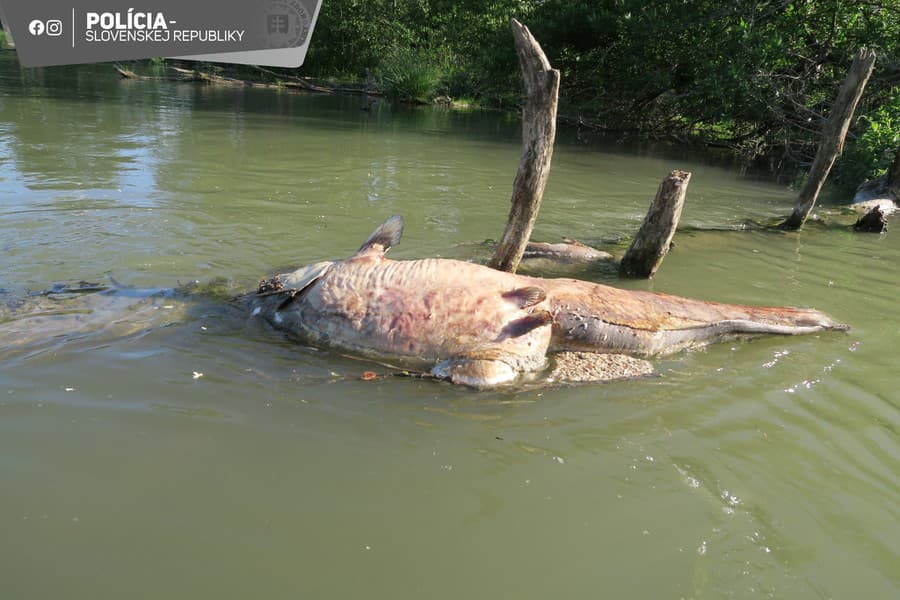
column 526, row 296
column 387, row 235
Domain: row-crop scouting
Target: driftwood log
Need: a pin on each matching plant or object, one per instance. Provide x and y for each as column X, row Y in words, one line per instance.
column 128, row 74
column 538, row 135
column 833, row 134
column 181, row 75
column 282, row 81
column 651, row 244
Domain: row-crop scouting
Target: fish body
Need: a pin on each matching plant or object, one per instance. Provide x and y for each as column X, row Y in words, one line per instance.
column 566, row 251
column 599, row 318
column 482, row 327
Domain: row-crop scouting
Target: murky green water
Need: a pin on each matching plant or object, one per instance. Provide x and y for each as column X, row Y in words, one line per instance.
column 768, row 468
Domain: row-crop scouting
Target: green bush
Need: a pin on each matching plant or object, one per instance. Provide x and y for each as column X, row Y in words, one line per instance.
column 871, row 152
column 409, row 75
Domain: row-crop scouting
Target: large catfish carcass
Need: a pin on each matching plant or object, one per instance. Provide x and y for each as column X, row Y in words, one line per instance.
column 477, row 326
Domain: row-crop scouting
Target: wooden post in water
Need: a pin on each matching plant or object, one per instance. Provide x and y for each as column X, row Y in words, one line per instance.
column 538, row 135
column 871, row 222
column 651, row 244
column 833, row 134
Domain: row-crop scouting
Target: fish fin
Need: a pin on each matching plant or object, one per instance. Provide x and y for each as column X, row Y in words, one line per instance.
column 476, row 369
column 528, row 323
column 526, row 296
column 299, row 281
column 387, row 235
column 304, row 277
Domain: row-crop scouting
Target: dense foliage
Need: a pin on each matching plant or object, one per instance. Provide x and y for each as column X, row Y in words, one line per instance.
column 756, row 75
column 409, row 75
column 871, row 152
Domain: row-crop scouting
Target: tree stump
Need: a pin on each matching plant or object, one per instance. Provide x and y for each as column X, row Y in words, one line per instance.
column 871, row 222
column 538, row 135
column 652, row 241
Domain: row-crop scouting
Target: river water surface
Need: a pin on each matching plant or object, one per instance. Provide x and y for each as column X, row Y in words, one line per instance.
column 159, row 447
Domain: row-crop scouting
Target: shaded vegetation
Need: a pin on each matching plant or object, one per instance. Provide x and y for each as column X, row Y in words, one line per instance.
column 757, row 76
column 870, row 154
column 408, row 75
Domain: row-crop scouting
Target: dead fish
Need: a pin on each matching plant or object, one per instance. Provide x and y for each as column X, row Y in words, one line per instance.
column 565, row 251
column 477, row 326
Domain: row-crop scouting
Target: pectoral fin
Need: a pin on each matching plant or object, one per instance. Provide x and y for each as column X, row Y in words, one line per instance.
column 525, row 297
column 294, row 284
column 305, row 276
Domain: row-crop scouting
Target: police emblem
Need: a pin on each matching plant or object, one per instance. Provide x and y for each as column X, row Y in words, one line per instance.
column 285, row 24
